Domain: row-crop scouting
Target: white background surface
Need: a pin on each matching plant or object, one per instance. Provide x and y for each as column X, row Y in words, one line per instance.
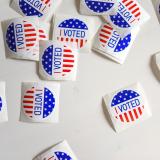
column 82, row 120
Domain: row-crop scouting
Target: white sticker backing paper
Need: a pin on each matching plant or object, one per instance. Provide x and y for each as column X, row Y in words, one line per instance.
column 57, row 61
column 127, row 107
column 40, row 102
column 60, row 151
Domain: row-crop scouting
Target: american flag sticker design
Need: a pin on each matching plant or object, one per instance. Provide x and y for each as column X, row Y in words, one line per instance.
column 128, row 13
column 110, row 39
column 58, row 61
column 35, row 7
column 127, row 106
column 59, row 156
column 73, row 31
column 99, row 6
column 21, row 36
column 38, row 103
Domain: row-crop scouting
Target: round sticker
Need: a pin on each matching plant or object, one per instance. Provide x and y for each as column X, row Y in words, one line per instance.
column 21, row 36
column 73, row 31
column 128, row 13
column 35, row 7
column 99, row 6
column 38, row 103
column 127, row 106
column 59, row 156
column 110, row 39
column 58, row 61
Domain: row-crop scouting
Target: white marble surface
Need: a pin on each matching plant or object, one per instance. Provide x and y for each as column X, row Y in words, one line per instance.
column 82, row 120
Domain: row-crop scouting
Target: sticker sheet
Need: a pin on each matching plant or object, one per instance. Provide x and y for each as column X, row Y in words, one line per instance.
column 40, row 102
column 110, row 43
column 60, row 151
column 57, row 61
column 127, row 107
column 43, row 9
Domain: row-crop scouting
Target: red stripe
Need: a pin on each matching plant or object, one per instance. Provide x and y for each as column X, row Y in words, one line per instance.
column 30, row 91
column 62, row 38
column 104, row 36
column 105, row 31
column 124, row 1
column 29, row 30
column 67, row 55
column 28, row 101
column 47, row 1
column 134, row 5
column 67, row 39
column 67, row 65
column 129, row 3
column 67, row 60
column 138, row 14
column 135, row 113
column 81, row 43
column 27, row 25
column 29, row 45
column 28, row 97
column 66, row 70
column 42, row 36
column 108, row 27
column 29, row 111
column 130, row 113
column 41, row 31
column 121, row 118
column 29, row 35
column 135, row 10
column 126, row 116
column 103, row 41
column 67, row 50
column 140, row 111
column 28, row 107
column 31, row 39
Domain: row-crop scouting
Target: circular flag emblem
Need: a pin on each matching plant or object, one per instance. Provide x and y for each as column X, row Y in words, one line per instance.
column 127, row 106
column 35, row 7
column 21, row 36
column 110, row 39
column 0, row 103
column 99, row 6
column 38, row 103
column 73, row 31
column 128, row 13
column 58, row 61
column 59, row 156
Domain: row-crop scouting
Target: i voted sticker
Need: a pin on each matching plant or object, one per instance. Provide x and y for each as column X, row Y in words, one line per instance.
column 127, row 106
column 35, row 7
column 38, row 103
column 58, row 61
column 110, row 39
column 58, row 155
column 21, row 36
column 127, row 15
column 72, row 31
column 99, row 6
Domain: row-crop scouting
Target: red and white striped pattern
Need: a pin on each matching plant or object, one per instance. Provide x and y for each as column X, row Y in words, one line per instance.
column 131, row 115
column 30, row 35
column 42, row 35
column 79, row 41
column 68, row 61
column 133, row 7
column 105, row 34
column 28, row 101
